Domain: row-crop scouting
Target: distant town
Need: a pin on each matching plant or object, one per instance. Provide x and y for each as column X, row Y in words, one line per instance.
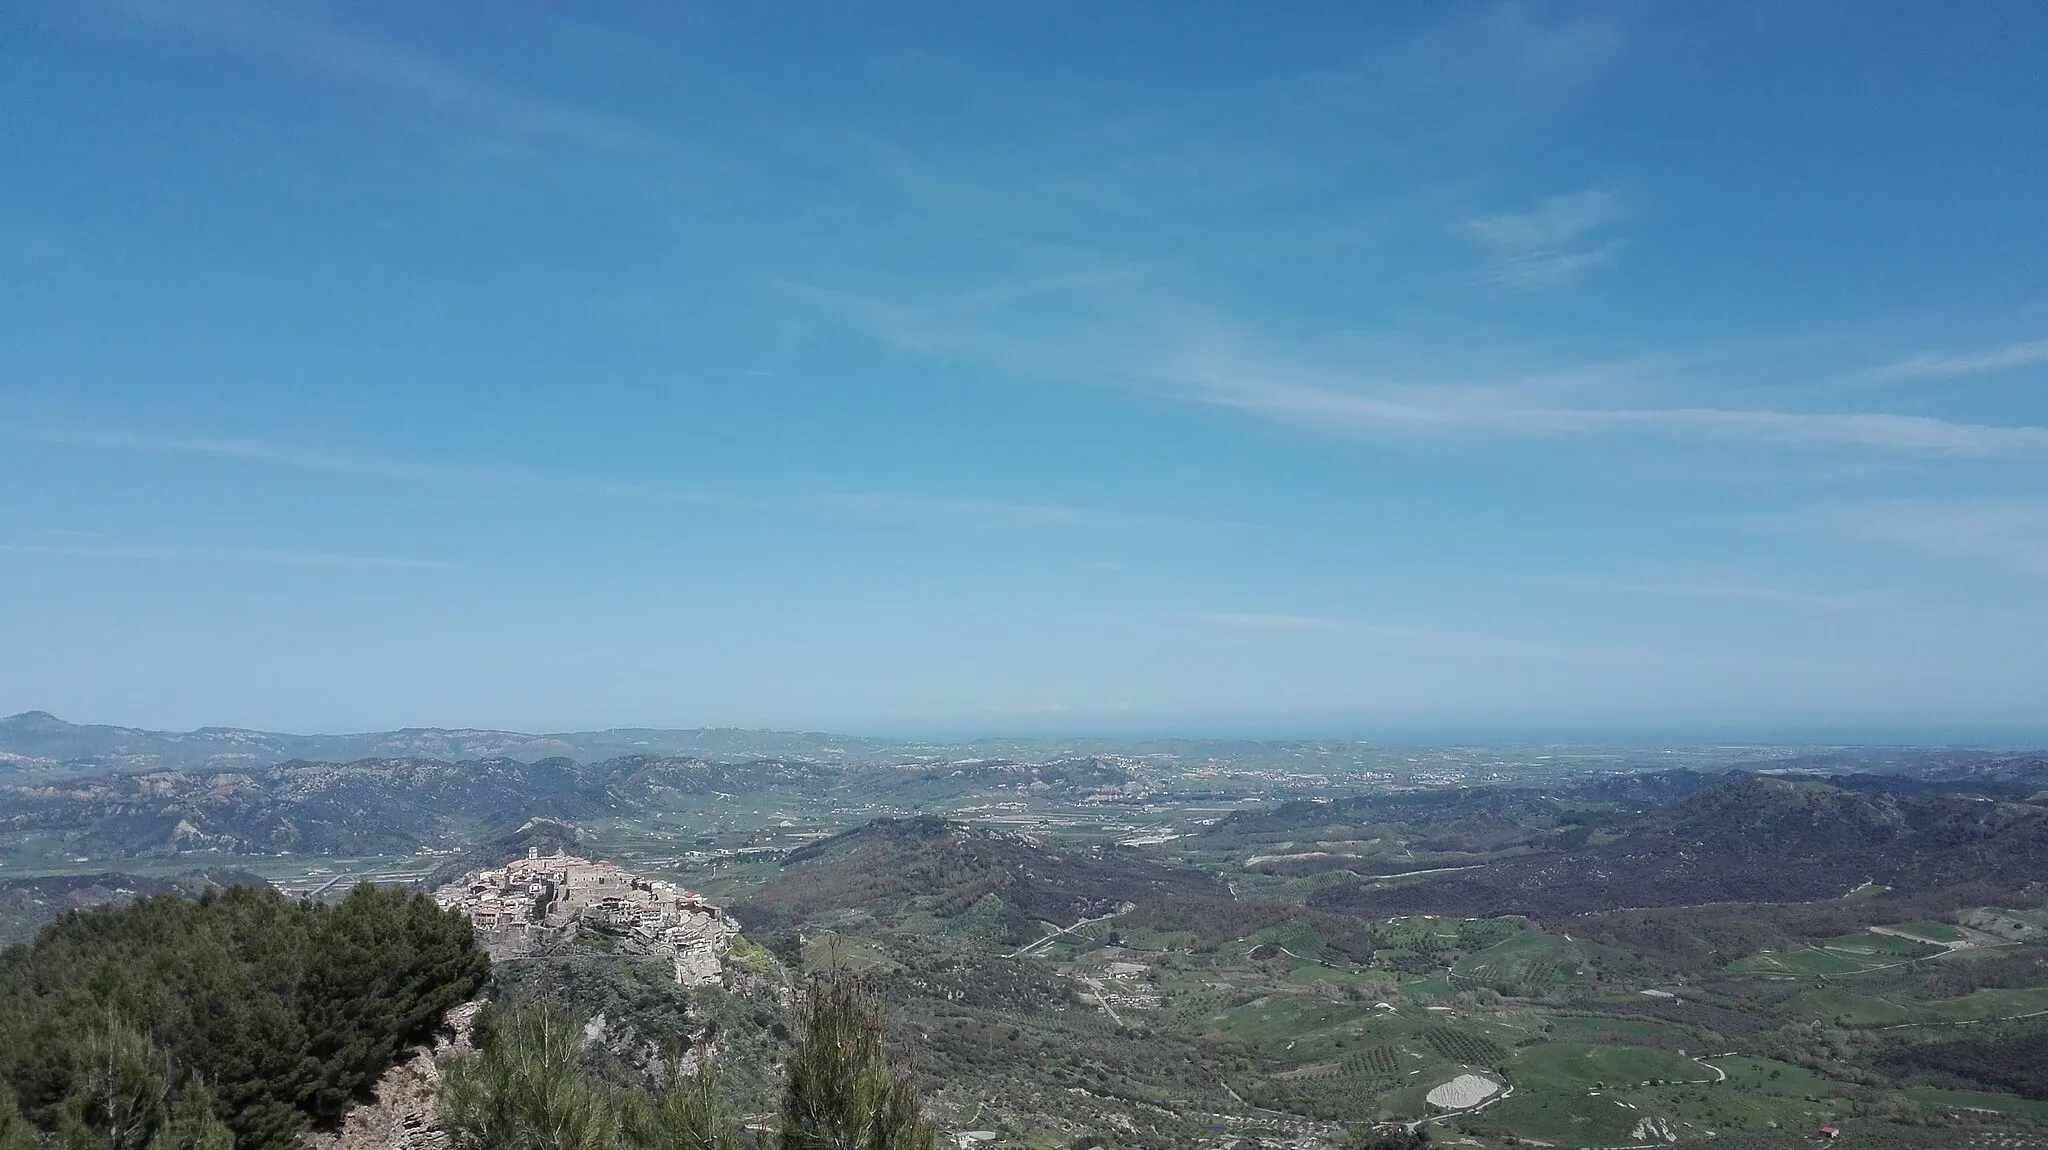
column 527, row 902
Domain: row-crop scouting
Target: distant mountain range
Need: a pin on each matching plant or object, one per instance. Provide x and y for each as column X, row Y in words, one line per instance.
column 40, row 737
column 39, row 742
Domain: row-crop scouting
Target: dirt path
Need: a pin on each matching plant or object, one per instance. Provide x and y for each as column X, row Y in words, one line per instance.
column 1964, row 1021
column 1027, row 948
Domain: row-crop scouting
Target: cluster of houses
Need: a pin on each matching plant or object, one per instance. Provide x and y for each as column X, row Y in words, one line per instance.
column 1120, row 986
column 540, row 895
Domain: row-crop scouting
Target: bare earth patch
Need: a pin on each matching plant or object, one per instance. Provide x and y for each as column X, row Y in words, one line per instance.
column 1462, row 1091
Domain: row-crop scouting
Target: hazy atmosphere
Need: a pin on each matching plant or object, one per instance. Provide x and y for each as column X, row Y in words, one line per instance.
column 1430, row 369
column 1023, row 576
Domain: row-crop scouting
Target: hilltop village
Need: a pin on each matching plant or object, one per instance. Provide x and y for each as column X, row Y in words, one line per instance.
column 527, row 902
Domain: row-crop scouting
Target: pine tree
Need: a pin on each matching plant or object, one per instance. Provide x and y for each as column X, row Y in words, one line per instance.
column 124, row 1086
column 842, row 1092
column 191, row 1123
column 689, row 1111
column 526, row 1087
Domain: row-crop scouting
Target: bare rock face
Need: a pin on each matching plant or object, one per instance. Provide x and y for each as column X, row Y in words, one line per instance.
column 402, row 1116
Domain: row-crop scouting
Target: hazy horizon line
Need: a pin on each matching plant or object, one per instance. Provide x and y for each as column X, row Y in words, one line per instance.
column 1914, row 736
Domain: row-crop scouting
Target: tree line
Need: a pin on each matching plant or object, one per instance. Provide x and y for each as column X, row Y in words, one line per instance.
column 239, row 1019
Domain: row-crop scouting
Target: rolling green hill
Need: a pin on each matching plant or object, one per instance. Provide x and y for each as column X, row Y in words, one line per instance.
column 891, row 869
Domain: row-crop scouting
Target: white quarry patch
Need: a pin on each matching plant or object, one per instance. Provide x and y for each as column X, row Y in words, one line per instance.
column 1653, row 1129
column 1462, row 1091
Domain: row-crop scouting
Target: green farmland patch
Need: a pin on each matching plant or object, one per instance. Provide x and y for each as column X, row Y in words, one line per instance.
column 1575, row 1066
column 1931, row 931
column 1464, row 1047
column 1988, row 1004
column 1574, row 1120
column 1275, row 1018
column 1846, row 1009
column 1598, row 1028
column 1528, row 963
column 1770, row 1076
column 1879, row 948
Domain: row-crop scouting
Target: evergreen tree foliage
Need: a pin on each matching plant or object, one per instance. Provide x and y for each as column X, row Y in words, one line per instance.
column 380, row 964
column 530, row 1086
column 527, row 1087
column 842, row 1092
column 15, row 1131
column 123, row 1086
column 191, row 1124
column 244, row 1015
column 689, row 1111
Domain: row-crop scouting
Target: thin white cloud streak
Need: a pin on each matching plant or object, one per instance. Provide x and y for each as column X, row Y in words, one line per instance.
column 1497, row 411
column 1542, row 271
column 279, row 33
column 1539, row 250
column 886, row 506
column 1455, row 88
column 2009, row 535
column 210, row 555
column 1554, row 222
column 247, row 450
column 1131, row 343
column 1938, row 365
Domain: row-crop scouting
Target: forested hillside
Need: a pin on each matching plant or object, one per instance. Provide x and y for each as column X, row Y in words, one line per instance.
column 893, row 867
column 1749, row 839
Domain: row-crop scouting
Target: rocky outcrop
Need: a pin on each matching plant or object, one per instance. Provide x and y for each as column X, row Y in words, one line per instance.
column 401, row 1114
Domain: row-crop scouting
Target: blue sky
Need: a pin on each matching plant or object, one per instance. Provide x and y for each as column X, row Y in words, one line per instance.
column 1378, row 370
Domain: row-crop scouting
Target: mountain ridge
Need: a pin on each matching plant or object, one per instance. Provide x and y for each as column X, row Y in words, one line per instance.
column 1750, row 838
column 43, row 737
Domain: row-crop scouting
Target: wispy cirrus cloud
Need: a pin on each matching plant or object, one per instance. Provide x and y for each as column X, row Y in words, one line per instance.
column 247, row 450
column 1149, row 346
column 1550, row 245
column 881, row 506
column 1944, row 365
column 1553, row 222
column 1134, row 338
column 286, row 35
column 1456, row 87
column 1544, row 270
column 1522, row 411
column 258, row 556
